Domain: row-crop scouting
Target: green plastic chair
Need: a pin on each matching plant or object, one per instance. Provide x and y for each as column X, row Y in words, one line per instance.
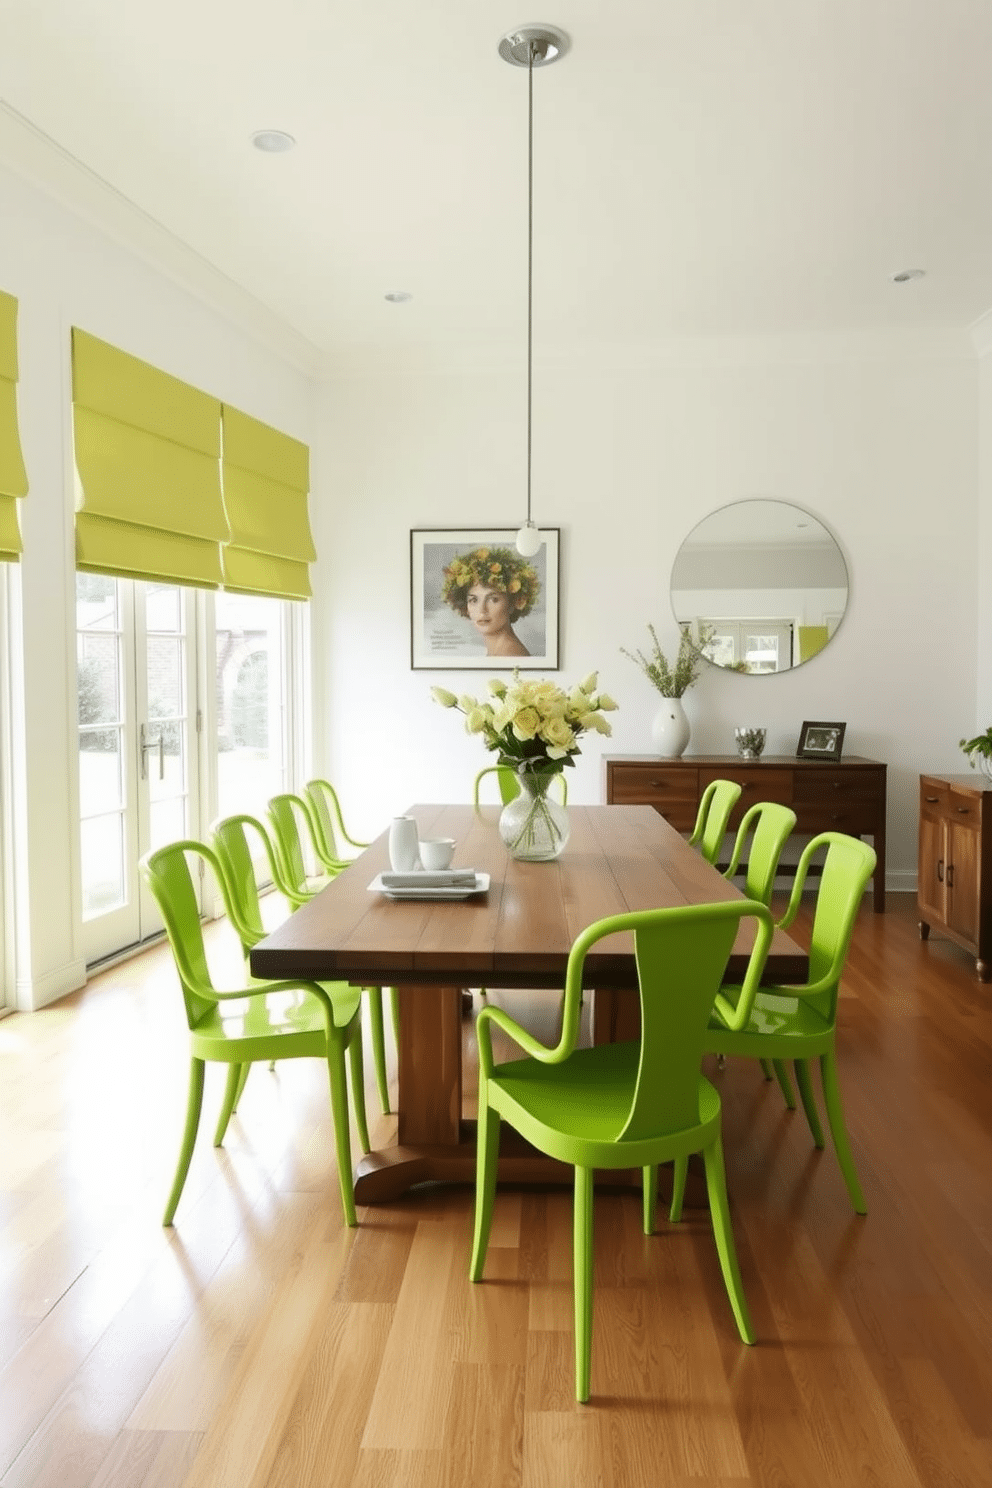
column 509, row 786
column 230, row 841
column 716, row 803
column 325, row 809
column 292, row 825
column 799, row 1023
column 627, row 1105
column 763, row 832
column 264, row 1020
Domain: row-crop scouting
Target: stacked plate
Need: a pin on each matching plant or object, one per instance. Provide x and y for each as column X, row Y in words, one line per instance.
column 449, row 883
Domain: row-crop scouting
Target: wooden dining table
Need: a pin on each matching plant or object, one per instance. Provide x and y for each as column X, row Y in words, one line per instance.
column 518, row 935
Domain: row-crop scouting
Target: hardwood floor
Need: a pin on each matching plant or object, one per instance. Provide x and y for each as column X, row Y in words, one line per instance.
column 260, row 1344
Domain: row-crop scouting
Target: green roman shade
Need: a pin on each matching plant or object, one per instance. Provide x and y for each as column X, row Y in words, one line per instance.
column 148, row 502
column 13, row 477
column 266, row 483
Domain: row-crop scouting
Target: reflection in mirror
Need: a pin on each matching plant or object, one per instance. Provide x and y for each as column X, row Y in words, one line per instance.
column 762, row 584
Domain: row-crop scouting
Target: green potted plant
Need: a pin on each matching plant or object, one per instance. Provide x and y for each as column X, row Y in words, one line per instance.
column 670, row 728
column 979, row 747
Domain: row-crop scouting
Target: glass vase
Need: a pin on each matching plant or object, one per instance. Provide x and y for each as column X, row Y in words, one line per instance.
column 533, row 825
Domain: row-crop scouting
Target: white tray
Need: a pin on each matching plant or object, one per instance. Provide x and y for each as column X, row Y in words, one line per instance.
column 418, row 891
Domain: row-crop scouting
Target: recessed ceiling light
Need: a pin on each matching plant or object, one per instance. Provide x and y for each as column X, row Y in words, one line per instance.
column 272, row 141
column 904, row 275
column 398, row 296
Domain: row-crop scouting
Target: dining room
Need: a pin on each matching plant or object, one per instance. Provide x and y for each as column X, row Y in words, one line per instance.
column 756, row 276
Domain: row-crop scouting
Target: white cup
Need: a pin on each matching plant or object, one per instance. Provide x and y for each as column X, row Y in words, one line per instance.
column 436, row 853
column 404, row 850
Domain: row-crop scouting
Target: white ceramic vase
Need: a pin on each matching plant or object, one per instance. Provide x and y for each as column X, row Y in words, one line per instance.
column 670, row 729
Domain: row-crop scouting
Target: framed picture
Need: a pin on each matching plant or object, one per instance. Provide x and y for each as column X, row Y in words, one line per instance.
column 477, row 605
column 821, row 741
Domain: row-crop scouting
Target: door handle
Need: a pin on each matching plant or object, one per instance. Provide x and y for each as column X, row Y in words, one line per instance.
column 950, row 875
column 940, row 870
column 147, row 744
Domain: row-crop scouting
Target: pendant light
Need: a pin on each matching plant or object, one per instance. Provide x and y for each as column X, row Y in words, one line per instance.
column 530, row 47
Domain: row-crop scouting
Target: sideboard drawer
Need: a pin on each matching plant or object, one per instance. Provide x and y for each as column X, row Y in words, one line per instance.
column 825, row 788
column 756, row 785
column 673, row 790
column 935, row 796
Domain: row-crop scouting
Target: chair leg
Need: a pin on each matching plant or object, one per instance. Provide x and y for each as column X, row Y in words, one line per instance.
column 357, row 1062
column 716, row 1188
column 339, row 1114
column 237, row 1074
column 838, row 1130
column 487, row 1153
column 582, row 1268
column 809, row 1100
column 649, row 1186
column 394, row 1009
column 766, row 1066
column 194, row 1101
column 378, row 1046
column 678, row 1189
column 785, row 1084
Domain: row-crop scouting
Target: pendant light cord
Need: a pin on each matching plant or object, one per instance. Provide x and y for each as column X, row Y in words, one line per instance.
column 530, row 253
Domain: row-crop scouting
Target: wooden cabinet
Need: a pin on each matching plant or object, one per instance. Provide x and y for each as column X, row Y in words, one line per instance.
column 954, row 893
column 845, row 796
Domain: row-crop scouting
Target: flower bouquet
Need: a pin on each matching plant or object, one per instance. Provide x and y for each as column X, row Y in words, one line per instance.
column 534, row 729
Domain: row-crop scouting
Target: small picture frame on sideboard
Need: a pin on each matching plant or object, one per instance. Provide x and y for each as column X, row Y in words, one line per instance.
column 821, row 741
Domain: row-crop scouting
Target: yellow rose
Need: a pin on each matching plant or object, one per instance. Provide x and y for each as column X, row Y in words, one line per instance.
column 589, row 685
column 606, row 703
column 444, row 697
column 526, row 723
column 557, row 732
column 598, row 723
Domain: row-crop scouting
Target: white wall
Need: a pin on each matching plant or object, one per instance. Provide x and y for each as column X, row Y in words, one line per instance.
column 879, row 442
column 64, row 272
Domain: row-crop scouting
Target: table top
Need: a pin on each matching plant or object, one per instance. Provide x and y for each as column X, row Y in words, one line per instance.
column 519, row 933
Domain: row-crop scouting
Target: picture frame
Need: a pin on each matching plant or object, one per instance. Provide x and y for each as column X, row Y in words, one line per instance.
column 821, row 741
column 515, row 619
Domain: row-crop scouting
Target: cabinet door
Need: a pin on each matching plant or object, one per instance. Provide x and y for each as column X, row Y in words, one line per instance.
column 931, row 888
column 963, row 880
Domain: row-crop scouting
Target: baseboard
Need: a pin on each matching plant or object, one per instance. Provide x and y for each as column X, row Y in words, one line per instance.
column 32, row 995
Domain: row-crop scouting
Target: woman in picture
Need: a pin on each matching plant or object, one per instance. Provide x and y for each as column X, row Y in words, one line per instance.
column 492, row 587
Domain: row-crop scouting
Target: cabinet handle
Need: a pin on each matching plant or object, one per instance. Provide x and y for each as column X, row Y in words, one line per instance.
column 950, row 875
column 964, row 810
column 931, row 800
column 940, row 870
column 658, row 784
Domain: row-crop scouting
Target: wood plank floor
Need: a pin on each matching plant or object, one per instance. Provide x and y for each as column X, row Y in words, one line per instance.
column 260, row 1344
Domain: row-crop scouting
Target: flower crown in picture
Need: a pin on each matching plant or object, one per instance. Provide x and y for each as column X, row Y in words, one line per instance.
column 496, row 568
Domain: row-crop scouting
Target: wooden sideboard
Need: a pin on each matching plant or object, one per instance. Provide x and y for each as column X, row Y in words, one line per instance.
column 954, row 893
column 845, row 796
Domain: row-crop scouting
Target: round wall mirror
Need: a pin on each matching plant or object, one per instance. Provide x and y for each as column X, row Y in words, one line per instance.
column 762, row 584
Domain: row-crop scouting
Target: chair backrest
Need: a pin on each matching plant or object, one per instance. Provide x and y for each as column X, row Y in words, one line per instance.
column 681, row 959
column 292, row 824
column 767, row 827
column 231, row 844
column 847, row 867
column 166, row 872
column 717, row 802
column 328, row 818
column 509, row 785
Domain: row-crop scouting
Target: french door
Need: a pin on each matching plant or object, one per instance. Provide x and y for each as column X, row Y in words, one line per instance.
column 138, row 761
column 185, row 708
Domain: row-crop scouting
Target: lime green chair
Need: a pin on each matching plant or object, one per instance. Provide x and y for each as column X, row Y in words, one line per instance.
column 509, row 786
column 325, row 809
column 628, row 1105
column 716, row 803
column 293, row 826
column 800, row 1023
column 762, row 834
column 231, row 844
column 260, row 1021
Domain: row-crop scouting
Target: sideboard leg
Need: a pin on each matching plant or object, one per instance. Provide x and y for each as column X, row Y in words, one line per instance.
column 924, row 930
column 983, row 971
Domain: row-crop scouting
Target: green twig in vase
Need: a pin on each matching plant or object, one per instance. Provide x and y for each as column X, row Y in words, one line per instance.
column 672, row 680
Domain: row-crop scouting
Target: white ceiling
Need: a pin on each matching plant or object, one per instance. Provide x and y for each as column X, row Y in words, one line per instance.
column 703, row 168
